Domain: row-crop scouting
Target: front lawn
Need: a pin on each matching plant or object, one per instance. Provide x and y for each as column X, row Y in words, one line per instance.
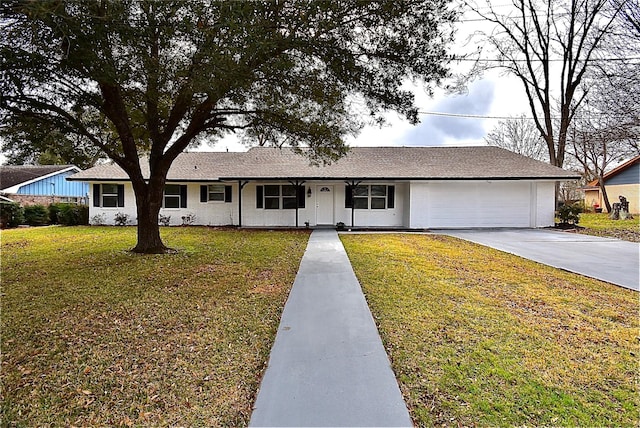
column 478, row 337
column 95, row 335
column 602, row 225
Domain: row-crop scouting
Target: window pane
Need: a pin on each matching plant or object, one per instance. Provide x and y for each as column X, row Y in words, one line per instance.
column 378, row 190
column 378, row 203
column 172, row 202
column 271, row 190
column 288, row 190
column 272, row 203
column 216, row 192
column 111, row 189
column 361, row 203
column 109, row 201
column 361, row 191
column 172, row 189
column 289, row 203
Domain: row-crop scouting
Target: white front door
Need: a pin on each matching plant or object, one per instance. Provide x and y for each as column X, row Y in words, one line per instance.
column 324, row 204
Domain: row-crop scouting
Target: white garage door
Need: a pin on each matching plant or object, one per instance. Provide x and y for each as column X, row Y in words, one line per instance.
column 495, row 204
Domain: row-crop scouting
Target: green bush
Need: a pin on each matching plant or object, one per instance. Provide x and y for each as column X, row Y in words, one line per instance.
column 36, row 215
column 73, row 215
column 570, row 214
column 54, row 209
column 11, row 214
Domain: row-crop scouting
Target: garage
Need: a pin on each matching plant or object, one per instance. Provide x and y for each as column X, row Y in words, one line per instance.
column 481, row 204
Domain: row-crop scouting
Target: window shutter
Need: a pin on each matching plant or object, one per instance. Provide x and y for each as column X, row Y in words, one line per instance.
column 301, row 197
column 391, row 196
column 348, row 196
column 204, row 193
column 96, row 195
column 120, row 195
column 183, row 196
column 227, row 193
column 259, row 196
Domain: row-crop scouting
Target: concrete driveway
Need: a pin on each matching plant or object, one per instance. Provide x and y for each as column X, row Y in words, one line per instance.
column 609, row 260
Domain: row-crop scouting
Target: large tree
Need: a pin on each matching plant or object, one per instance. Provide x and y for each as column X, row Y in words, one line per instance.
column 152, row 77
column 548, row 45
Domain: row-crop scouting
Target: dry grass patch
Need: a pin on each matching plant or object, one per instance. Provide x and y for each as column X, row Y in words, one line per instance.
column 95, row 335
column 478, row 337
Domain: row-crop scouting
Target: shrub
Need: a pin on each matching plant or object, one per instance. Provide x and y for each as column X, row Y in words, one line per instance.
column 164, row 220
column 11, row 214
column 73, row 215
column 569, row 214
column 121, row 219
column 54, row 209
column 36, row 215
column 98, row 220
column 189, row 219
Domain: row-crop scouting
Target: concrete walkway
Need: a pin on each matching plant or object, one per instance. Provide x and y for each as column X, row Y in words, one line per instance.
column 606, row 259
column 328, row 366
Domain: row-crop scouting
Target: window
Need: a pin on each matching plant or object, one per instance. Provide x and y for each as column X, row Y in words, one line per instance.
column 108, row 195
column 375, row 197
column 215, row 193
column 276, row 196
column 175, row 196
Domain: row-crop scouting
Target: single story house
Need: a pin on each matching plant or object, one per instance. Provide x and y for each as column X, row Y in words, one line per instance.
column 385, row 187
column 623, row 180
column 42, row 184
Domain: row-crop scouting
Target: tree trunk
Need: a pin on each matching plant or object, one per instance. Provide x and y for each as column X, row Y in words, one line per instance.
column 605, row 197
column 148, row 204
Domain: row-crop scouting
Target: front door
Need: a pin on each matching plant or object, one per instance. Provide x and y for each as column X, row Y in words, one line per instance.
column 324, row 204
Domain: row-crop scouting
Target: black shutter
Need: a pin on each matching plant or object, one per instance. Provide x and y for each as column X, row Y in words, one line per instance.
column 120, row 195
column 391, row 196
column 259, row 196
column 204, row 193
column 96, row 195
column 348, row 196
column 183, row 196
column 301, row 197
column 227, row 193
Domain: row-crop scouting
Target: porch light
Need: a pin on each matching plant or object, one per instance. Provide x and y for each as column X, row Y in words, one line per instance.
column 309, row 192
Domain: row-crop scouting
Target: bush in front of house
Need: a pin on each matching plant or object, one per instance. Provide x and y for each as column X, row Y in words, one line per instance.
column 11, row 214
column 570, row 214
column 73, row 215
column 36, row 215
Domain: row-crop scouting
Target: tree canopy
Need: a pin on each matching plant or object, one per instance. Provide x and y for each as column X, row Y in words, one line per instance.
column 135, row 77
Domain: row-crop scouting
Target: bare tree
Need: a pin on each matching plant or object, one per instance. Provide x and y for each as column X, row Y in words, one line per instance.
column 548, row 45
column 519, row 135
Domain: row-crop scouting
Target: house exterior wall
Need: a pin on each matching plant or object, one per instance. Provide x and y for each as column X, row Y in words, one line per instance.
column 56, row 185
column 629, row 191
column 630, row 175
column 227, row 213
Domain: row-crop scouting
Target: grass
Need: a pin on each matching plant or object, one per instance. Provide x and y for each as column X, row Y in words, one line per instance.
column 482, row 338
column 95, row 335
column 602, row 225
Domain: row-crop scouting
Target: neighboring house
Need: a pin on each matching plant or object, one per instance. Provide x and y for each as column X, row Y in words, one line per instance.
column 44, row 184
column 388, row 187
column 621, row 181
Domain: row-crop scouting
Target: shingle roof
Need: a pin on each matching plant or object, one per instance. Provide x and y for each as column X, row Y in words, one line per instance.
column 416, row 163
column 11, row 175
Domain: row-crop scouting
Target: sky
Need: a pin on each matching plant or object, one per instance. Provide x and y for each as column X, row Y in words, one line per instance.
column 495, row 96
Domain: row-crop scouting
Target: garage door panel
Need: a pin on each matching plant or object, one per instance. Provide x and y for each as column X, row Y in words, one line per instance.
column 498, row 204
